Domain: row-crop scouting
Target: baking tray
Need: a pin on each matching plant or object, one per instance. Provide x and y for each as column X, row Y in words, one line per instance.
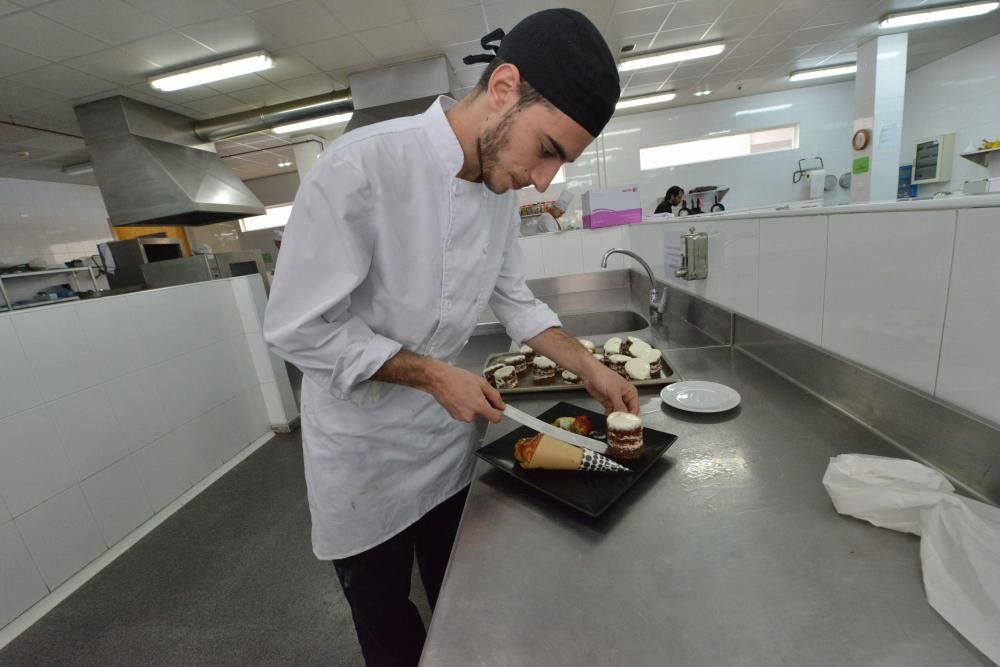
column 589, row 492
column 526, row 383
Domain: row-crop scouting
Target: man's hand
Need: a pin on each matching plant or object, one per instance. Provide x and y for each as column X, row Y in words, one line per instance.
column 463, row 394
column 612, row 390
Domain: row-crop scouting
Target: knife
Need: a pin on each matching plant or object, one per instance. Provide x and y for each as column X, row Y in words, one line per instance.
column 554, row 431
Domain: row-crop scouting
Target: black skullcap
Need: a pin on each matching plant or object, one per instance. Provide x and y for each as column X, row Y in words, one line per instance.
column 564, row 57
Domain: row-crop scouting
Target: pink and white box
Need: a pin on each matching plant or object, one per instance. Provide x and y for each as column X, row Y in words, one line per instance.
column 606, row 207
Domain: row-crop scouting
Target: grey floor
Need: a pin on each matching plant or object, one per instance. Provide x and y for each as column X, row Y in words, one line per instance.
column 230, row 579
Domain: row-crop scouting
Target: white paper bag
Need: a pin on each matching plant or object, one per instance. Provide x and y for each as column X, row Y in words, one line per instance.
column 885, row 492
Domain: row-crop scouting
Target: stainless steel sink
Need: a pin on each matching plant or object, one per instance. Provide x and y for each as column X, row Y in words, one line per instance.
column 604, row 322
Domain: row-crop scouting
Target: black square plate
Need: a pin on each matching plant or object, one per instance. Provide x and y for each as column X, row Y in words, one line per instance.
column 589, row 492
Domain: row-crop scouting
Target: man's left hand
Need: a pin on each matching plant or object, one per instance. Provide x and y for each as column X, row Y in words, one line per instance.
column 614, row 392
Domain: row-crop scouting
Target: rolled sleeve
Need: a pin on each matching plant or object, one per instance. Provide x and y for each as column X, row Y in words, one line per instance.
column 520, row 313
column 325, row 254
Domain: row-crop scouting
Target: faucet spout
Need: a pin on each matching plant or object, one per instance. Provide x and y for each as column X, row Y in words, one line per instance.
column 655, row 312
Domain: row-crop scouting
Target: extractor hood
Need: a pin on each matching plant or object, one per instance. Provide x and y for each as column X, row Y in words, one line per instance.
column 399, row 90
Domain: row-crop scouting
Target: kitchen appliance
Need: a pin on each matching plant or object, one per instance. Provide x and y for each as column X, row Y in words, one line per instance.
column 123, row 260
column 200, row 268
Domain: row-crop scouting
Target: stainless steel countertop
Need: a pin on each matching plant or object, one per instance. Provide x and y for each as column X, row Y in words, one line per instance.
column 728, row 551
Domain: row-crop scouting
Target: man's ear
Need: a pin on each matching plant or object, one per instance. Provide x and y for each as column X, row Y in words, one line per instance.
column 504, row 87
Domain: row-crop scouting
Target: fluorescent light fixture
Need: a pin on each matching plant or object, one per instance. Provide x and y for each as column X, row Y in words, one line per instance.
column 630, row 102
column 322, row 121
column 934, row 14
column 668, row 57
column 217, row 71
column 615, row 133
column 284, row 164
column 823, row 72
column 702, row 93
column 751, row 112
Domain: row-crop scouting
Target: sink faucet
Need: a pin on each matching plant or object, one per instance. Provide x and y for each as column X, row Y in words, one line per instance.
column 655, row 312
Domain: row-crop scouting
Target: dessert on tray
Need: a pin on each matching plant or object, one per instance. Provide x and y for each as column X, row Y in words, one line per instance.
column 542, row 451
column 624, row 435
column 528, row 353
column 655, row 360
column 637, row 369
column 570, row 377
column 543, row 370
column 636, row 347
column 518, row 361
column 505, row 378
column 616, row 362
column 613, row 346
column 587, row 344
column 490, row 371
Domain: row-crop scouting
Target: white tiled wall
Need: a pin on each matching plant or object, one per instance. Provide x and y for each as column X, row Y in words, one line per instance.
column 576, row 251
column 50, row 223
column 112, row 408
column 881, row 289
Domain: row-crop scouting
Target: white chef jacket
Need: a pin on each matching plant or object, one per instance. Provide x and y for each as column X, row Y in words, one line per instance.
column 387, row 249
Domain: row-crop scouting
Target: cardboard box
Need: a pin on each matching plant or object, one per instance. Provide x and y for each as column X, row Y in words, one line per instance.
column 607, row 207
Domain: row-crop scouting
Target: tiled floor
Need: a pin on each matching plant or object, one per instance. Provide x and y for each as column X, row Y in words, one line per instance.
column 230, row 579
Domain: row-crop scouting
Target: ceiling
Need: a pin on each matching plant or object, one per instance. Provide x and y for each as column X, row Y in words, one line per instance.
column 55, row 54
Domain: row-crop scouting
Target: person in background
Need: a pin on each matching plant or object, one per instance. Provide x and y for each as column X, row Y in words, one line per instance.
column 672, row 199
column 549, row 221
column 376, row 294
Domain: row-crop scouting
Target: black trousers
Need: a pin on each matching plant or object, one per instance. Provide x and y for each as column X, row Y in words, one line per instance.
column 376, row 584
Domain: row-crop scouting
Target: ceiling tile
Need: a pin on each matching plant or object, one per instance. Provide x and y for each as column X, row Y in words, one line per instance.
column 168, row 51
column 135, row 94
column 629, row 5
column 695, row 69
column 637, row 22
column 455, row 52
column 227, row 86
column 180, row 13
column 809, row 36
column 219, row 105
column 28, row 3
column 173, row 97
column 263, row 95
column 314, row 84
column 288, row 65
column 733, row 29
column 13, row 61
column 115, row 65
column 339, row 53
column 185, row 111
column 299, row 22
column 783, row 20
column 758, row 45
column 111, row 21
column 7, row 7
column 750, row 8
column 645, row 89
column 828, row 49
column 422, row 8
column 65, row 81
column 696, row 12
column 735, row 63
column 506, row 13
column 782, row 56
column 853, row 11
column 45, row 38
column 254, row 5
column 650, row 76
column 454, row 27
column 369, row 14
column 393, row 41
column 598, row 11
column 233, row 35
column 669, row 39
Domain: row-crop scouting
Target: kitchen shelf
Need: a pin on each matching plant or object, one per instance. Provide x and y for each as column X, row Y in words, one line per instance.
column 982, row 157
column 36, row 304
column 6, row 301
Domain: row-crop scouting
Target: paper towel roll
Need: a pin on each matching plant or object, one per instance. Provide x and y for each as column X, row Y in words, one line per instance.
column 816, row 179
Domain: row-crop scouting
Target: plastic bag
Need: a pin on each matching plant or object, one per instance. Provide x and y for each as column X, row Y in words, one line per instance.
column 888, row 493
column 960, row 537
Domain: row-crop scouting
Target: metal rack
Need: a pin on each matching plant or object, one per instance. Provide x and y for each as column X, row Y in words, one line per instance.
column 982, row 157
column 8, row 305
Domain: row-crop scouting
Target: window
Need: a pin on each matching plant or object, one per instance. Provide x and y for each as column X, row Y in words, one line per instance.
column 276, row 216
column 718, row 148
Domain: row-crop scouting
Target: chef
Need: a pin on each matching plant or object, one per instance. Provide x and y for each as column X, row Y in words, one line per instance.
column 549, row 220
column 400, row 236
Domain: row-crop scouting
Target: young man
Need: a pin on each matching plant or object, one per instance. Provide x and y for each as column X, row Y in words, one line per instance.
column 399, row 237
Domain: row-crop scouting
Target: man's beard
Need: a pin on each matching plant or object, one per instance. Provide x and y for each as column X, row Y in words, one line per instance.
column 488, row 146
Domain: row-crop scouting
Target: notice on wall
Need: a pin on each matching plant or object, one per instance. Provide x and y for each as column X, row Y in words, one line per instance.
column 887, row 136
column 673, row 249
column 860, row 165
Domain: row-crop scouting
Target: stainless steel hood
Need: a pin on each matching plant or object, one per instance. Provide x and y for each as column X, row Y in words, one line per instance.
column 153, row 170
column 399, row 90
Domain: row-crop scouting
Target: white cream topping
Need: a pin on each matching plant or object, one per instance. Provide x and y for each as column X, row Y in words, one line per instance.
column 587, row 344
column 651, row 355
column 570, row 376
column 638, row 348
column 619, row 358
column 525, row 349
column 516, row 359
column 637, row 369
column 623, row 421
column 543, row 362
column 613, row 345
column 506, row 371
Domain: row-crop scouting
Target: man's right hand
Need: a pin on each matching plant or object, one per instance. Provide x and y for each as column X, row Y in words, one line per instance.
column 463, row 394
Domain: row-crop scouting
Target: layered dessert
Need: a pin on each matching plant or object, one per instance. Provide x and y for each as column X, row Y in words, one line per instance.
column 505, row 378
column 601, row 358
column 528, row 353
column 570, row 377
column 543, row 370
column 613, row 346
column 624, row 435
column 616, row 362
column 490, row 371
column 519, row 362
column 542, row 451
column 637, row 369
column 587, row 344
column 636, row 347
column 655, row 360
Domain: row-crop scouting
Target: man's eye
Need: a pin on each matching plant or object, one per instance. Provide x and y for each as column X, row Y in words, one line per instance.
column 546, row 153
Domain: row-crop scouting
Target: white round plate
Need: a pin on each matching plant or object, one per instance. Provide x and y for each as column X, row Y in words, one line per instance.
column 699, row 396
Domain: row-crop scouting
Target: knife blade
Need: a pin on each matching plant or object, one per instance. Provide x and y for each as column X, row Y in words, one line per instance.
column 554, row 431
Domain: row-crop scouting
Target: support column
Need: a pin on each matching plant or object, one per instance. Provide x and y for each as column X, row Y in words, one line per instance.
column 307, row 153
column 879, row 89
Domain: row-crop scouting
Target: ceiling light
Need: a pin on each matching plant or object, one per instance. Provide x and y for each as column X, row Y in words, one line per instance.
column 284, row 164
column 933, row 14
column 78, row 169
column 322, row 121
column 702, row 93
column 222, row 69
column 668, row 57
column 823, row 72
column 750, row 112
column 629, row 102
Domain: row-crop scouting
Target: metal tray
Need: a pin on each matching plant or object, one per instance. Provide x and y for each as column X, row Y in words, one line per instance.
column 589, row 492
column 526, row 385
